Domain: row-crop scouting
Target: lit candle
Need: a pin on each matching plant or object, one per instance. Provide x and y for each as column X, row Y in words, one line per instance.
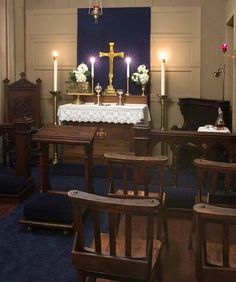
column 55, row 54
column 92, row 60
column 163, row 59
column 128, row 60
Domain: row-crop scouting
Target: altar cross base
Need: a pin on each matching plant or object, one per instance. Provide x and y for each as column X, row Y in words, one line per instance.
column 111, row 55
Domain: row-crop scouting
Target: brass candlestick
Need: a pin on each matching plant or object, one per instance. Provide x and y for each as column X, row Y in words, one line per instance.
column 163, row 101
column 55, row 95
column 92, row 85
column 127, row 87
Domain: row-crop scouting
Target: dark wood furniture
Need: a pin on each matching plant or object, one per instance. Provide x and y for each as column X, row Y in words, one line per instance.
column 215, row 243
column 215, row 182
column 134, row 175
column 21, row 130
column 22, row 98
column 199, row 112
column 67, row 135
column 51, row 208
column 110, row 136
column 146, row 139
column 115, row 255
column 215, row 185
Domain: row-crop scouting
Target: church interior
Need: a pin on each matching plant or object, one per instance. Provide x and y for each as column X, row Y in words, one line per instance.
column 118, row 140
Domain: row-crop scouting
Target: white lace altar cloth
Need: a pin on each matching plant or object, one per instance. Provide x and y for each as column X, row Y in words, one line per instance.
column 110, row 113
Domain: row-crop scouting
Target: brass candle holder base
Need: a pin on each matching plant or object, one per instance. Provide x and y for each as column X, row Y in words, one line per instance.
column 55, row 95
column 163, row 102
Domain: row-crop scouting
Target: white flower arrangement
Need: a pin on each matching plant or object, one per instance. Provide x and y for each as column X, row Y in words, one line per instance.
column 80, row 74
column 141, row 75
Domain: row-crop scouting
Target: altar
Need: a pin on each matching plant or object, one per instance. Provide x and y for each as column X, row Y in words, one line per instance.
column 115, row 126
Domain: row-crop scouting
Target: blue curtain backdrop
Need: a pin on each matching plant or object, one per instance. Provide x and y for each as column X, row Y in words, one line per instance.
column 129, row 28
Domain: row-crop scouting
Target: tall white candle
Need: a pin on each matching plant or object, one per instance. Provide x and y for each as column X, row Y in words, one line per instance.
column 55, row 55
column 128, row 60
column 163, row 77
column 92, row 60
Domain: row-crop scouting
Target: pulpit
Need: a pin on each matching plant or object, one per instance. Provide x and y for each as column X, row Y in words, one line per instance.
column 115, row 124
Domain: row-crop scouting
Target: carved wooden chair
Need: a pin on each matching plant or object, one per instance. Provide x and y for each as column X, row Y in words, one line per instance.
column 135, row 181
column 21, row 99
column 215, row 185
column 215, row 243
column 122, row 255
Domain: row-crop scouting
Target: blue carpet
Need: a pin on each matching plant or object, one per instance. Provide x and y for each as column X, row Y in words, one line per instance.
column 45, row 255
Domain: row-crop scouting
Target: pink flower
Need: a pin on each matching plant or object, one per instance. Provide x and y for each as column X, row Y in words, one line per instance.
column 224, row 47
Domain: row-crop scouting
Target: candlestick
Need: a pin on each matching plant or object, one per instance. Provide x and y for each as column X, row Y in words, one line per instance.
column 92, row 60
column 55, row 95
column 128, row 60
column 163, row 77
column 163, row 101
column 163, row 60
column 55, row 54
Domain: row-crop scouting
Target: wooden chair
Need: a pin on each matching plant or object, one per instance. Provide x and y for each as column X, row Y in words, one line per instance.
column 215, row 182
column 215, row 243
column 136, row 174
column 115, row 255
column 21, row 99
column 215, row 185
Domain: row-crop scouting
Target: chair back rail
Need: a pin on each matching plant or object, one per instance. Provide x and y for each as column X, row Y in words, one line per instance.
column 215, row 255
column 114, row 254
column 217, row 178
column 132, row 176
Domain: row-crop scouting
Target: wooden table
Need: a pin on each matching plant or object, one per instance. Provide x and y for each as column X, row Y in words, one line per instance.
column 69, row 135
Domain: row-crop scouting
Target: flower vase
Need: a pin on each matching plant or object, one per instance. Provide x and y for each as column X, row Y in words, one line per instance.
column 143, row 89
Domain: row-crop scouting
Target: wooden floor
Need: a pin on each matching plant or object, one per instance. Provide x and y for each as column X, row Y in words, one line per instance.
column 177, row 262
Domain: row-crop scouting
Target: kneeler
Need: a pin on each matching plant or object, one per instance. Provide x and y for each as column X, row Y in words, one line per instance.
column 17, row 184
column 48, row 210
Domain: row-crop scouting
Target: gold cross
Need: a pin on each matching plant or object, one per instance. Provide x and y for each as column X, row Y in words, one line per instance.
column 111, row 55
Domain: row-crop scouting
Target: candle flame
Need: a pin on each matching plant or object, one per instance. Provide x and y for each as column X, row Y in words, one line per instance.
column 128, row 60
column 163, row 56
column 55, row 54
column 92, row 60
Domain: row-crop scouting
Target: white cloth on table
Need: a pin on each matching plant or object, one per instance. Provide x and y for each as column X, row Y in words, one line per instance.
column 211, row 128
column 110, row 113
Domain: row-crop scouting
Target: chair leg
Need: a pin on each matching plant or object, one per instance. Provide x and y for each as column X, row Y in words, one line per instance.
column 190, row 239
column 165, row 229
column 159, row 271
column 162, row 231
column 81, row 276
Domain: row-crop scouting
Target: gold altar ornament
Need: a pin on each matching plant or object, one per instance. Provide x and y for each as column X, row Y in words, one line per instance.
column 111, row 55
